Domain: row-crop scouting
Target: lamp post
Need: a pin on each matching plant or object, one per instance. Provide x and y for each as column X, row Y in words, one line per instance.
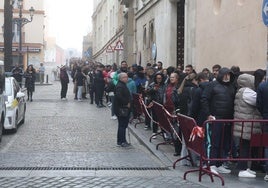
column 20, row 22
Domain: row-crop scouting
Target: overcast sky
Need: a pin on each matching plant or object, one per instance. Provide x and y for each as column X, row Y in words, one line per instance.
column 69, row 21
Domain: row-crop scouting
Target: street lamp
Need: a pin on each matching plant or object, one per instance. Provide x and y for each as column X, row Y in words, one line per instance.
column 20, row 22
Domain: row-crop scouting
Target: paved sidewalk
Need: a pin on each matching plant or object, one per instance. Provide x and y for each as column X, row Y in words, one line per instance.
column 165, row 154
column 70, row 134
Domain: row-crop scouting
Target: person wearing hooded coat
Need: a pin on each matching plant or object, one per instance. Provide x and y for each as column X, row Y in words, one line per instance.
column 245, row 108
column 218, row 103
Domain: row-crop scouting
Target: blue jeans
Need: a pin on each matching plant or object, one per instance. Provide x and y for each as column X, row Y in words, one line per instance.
column 121, row 132
column 79, row 92
column 265, row 130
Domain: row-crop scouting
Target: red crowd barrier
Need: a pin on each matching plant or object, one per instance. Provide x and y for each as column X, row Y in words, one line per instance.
column 137, row 109
column 196, row 142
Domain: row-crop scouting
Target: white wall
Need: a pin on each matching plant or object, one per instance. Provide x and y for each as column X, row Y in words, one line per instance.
column 165, row 21
column 231, row 35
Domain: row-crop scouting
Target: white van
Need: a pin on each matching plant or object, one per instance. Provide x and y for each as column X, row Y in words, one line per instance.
column 2, row 99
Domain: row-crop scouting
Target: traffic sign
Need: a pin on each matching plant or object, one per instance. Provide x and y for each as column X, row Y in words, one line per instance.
column 265, row 12
column 109, row 49
column 119, row 46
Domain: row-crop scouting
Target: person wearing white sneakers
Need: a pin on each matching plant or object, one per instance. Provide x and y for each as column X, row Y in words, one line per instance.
column 218, row 103
column 245, row 108
column 219, row 170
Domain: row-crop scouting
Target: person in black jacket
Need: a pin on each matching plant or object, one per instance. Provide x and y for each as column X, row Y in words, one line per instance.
column 155, row 92
column 196, row 108
column 30, row 81
column 64, row 79
column 218, row 103
column 99, row 85
column 17, row 73
column 122, row 100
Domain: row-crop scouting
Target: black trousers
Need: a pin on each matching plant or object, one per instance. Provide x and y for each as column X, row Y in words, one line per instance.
column 64, row 88
column 99, row 95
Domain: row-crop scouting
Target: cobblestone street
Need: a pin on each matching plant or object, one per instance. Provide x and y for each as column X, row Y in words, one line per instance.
column 73, row 144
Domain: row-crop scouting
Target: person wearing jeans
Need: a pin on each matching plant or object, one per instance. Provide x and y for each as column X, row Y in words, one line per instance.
column 79, row 79
column 122, row 100
column 262, row 105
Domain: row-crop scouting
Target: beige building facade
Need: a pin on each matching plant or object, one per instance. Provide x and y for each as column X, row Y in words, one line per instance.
column 32, row 33
column 156, row 33
column 108, row 22
column 233, row 34
column 201, row 33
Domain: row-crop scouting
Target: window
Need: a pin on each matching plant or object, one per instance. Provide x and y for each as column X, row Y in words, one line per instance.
column 151, row 33
column 144, row 37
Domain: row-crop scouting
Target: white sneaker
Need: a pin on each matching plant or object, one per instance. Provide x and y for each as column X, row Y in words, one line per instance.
column 266, row 177
column 251, row 171
column 154, row 136
column 214, row 169
column 223, row 170
column 114, row 117
column 246, row 174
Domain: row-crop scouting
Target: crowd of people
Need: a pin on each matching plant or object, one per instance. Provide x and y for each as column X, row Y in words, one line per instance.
column 223, row 93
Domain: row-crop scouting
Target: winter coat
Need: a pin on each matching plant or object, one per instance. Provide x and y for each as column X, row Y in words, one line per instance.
column 197, row 112
column 131, row 86
column 30, row 80
column 17, row 73
column 155, row 94
column 99, row 79
column 262, row 99
column 218, row 97
column 183, row 101
column 245, row 107
column 64, row 76
column 122, row 96
column 79, row 78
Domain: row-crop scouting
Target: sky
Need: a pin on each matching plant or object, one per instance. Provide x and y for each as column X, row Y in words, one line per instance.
column 69, row 21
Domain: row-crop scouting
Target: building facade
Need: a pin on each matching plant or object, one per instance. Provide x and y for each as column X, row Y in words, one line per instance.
column 201, row 33
column 233, row 34
column 87, row 47
column 32, row 33
column 108, row 22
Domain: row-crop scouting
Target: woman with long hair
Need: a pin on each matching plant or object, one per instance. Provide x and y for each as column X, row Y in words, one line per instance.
column 30, row 81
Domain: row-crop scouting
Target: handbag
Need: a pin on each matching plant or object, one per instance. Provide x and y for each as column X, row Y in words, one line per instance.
column 123, row 111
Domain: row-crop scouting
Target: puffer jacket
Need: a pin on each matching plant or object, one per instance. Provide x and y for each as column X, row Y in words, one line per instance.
column 122, row 96
column 218, row 97
column 245, row 107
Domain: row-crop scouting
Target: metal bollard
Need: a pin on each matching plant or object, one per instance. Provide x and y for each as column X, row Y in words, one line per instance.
column 47, row 79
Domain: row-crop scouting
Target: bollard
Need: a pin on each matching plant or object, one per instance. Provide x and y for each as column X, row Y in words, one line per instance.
column 47, row 79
